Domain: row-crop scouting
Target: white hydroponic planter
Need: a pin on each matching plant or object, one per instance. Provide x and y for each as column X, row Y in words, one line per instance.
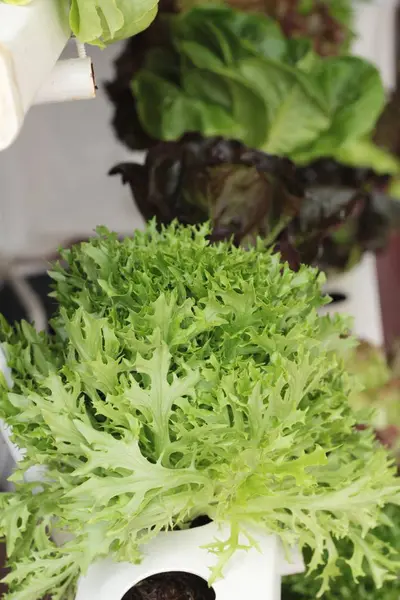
column 32, row 38
column 375, row 30
column 360, row 290
column 253, row 573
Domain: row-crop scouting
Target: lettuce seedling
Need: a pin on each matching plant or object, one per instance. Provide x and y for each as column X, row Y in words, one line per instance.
column 186, row 379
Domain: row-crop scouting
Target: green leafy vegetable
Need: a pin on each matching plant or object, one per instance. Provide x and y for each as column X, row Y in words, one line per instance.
column 322, row 214
column 380, row 402
column 354, row 106
column 185, row 379
column 101, row 22
column 380, row 398
column 230, row 73
column 326, row 25
column 362, row 153
column 345, row 588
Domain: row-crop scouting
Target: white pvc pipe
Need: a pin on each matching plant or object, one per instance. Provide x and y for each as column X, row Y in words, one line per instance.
column 71, row 79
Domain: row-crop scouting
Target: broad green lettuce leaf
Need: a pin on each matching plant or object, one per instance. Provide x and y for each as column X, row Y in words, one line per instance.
column 364, row 153
column 273, row 94
column 232, row 33
column 101, row 22
column 182, row 113
column 296, row 112
column 355, row 95
column 247, row 106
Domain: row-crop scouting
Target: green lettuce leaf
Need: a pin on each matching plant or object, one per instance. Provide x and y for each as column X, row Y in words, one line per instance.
column 184, row 379
column 296, row 114
column 379, row 401
column 345, row 587
column 229, row 73
column 242, row 57
column 102, row 22
column 355, row 97
column 364, row 153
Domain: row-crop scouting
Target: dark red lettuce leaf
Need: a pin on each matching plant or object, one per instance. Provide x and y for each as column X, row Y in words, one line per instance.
column 366, row 228
column 244, row 192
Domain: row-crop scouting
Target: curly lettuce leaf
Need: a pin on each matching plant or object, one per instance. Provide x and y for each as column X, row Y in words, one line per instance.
column 183, row 379
column 363, row 153
column 345, row 587
column 378, row 404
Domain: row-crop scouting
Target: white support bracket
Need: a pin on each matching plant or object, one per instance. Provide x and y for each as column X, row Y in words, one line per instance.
column 32, row 38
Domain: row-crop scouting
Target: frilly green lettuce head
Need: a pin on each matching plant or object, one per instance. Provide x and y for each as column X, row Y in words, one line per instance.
column 185, row 378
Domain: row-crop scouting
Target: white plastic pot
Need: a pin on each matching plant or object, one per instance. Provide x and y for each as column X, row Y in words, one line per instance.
column 253, row 573
column 361, row 299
